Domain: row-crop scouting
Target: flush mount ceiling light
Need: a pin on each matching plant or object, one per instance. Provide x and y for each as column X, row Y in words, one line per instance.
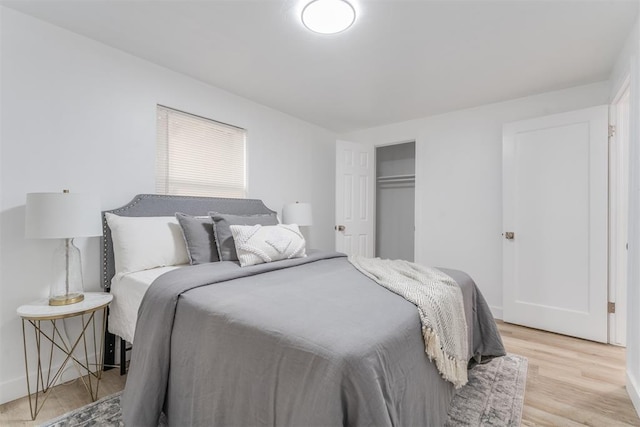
column 328, row 16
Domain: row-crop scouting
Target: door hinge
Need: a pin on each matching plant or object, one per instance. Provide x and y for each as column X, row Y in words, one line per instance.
column 612, row 131
column 611, row 307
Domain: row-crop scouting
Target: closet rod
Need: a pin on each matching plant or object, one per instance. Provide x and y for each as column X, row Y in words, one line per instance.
column 397, row 181
column 397, row 178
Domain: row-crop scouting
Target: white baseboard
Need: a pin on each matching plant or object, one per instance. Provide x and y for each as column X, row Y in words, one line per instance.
column 496, row 311
column 13, row 389
column 633, row 390
column 16, row 388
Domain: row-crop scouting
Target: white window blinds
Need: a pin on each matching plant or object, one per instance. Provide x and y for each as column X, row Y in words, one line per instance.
column 199, row 157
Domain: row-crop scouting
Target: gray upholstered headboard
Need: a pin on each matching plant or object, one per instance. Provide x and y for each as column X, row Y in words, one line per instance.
column 161, row 205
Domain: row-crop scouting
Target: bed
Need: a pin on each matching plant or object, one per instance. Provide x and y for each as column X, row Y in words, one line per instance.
column 128, row 289
column 302, row 341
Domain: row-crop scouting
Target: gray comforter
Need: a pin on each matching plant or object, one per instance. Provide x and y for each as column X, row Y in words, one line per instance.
column 301, row 342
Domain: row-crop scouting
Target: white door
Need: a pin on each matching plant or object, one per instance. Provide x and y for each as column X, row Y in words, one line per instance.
column 354, row 198
column 555, row 204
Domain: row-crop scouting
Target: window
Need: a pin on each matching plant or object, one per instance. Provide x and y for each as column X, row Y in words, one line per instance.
column 199, row 157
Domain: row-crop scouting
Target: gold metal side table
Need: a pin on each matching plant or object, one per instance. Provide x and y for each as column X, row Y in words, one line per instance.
column 40, row 313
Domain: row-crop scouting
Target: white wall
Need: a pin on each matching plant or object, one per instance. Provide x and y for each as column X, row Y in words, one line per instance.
column 628, row 64
column 80, row 115
column 459, row 180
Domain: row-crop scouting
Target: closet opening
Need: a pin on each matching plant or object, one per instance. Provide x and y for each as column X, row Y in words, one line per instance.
column 395, row 201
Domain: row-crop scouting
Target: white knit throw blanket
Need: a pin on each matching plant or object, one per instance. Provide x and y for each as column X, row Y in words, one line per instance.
column 439, row 301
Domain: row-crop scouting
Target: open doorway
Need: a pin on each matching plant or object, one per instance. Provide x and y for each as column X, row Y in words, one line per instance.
column 618, row 214
column 395, row 201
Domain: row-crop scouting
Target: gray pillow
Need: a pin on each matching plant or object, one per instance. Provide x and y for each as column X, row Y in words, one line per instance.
column 198, row 234
column 222, row 230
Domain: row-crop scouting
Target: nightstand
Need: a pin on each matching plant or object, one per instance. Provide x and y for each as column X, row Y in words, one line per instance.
column 39, row 314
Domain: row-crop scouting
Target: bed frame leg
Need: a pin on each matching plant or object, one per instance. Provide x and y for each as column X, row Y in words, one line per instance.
column 123, row 357
column 109, row 357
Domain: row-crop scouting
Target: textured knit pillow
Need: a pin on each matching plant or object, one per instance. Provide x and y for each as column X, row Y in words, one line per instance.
column 141, row 243
column 224, row 238
column 199, row 237
column 257, row 244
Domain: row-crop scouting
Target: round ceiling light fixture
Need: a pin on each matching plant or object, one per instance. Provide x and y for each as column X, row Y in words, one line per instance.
column 328, row 16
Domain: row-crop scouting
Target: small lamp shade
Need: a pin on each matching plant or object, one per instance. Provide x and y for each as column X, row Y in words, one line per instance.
column 62, row 216
column 297, row 213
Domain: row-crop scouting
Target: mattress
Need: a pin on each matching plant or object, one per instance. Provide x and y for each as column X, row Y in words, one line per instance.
column 128, row 291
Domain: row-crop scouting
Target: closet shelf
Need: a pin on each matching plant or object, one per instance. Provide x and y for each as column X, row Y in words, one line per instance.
column 397, row 178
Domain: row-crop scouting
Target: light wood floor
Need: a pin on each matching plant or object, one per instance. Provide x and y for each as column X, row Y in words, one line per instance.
column 570, row 382
column 63, row 398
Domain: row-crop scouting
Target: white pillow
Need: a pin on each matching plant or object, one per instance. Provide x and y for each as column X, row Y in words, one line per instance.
column 256, row 244
column 141, row 243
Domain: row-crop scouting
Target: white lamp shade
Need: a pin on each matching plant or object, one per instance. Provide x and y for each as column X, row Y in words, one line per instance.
column 62, row 216
column 297, row 213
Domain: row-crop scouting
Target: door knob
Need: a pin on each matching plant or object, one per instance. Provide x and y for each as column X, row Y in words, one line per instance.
column 340, row 227
column 509, row 235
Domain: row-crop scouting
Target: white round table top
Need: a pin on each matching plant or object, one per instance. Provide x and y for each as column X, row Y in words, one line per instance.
column 41, row 309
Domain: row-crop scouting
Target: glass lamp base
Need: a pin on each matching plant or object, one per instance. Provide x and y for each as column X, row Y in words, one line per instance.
column 66, row 299
column 66, row 275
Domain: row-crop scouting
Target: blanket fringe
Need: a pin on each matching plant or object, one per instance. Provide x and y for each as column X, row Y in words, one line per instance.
column 451, row 369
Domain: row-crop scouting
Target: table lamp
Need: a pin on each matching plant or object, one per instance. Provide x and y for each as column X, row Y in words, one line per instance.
column 64, row 216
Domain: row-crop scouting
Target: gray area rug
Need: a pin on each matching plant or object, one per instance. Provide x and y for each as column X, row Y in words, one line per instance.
column 493, row 397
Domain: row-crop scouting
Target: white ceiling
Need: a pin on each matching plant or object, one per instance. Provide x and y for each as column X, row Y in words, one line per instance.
column 400, row 60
